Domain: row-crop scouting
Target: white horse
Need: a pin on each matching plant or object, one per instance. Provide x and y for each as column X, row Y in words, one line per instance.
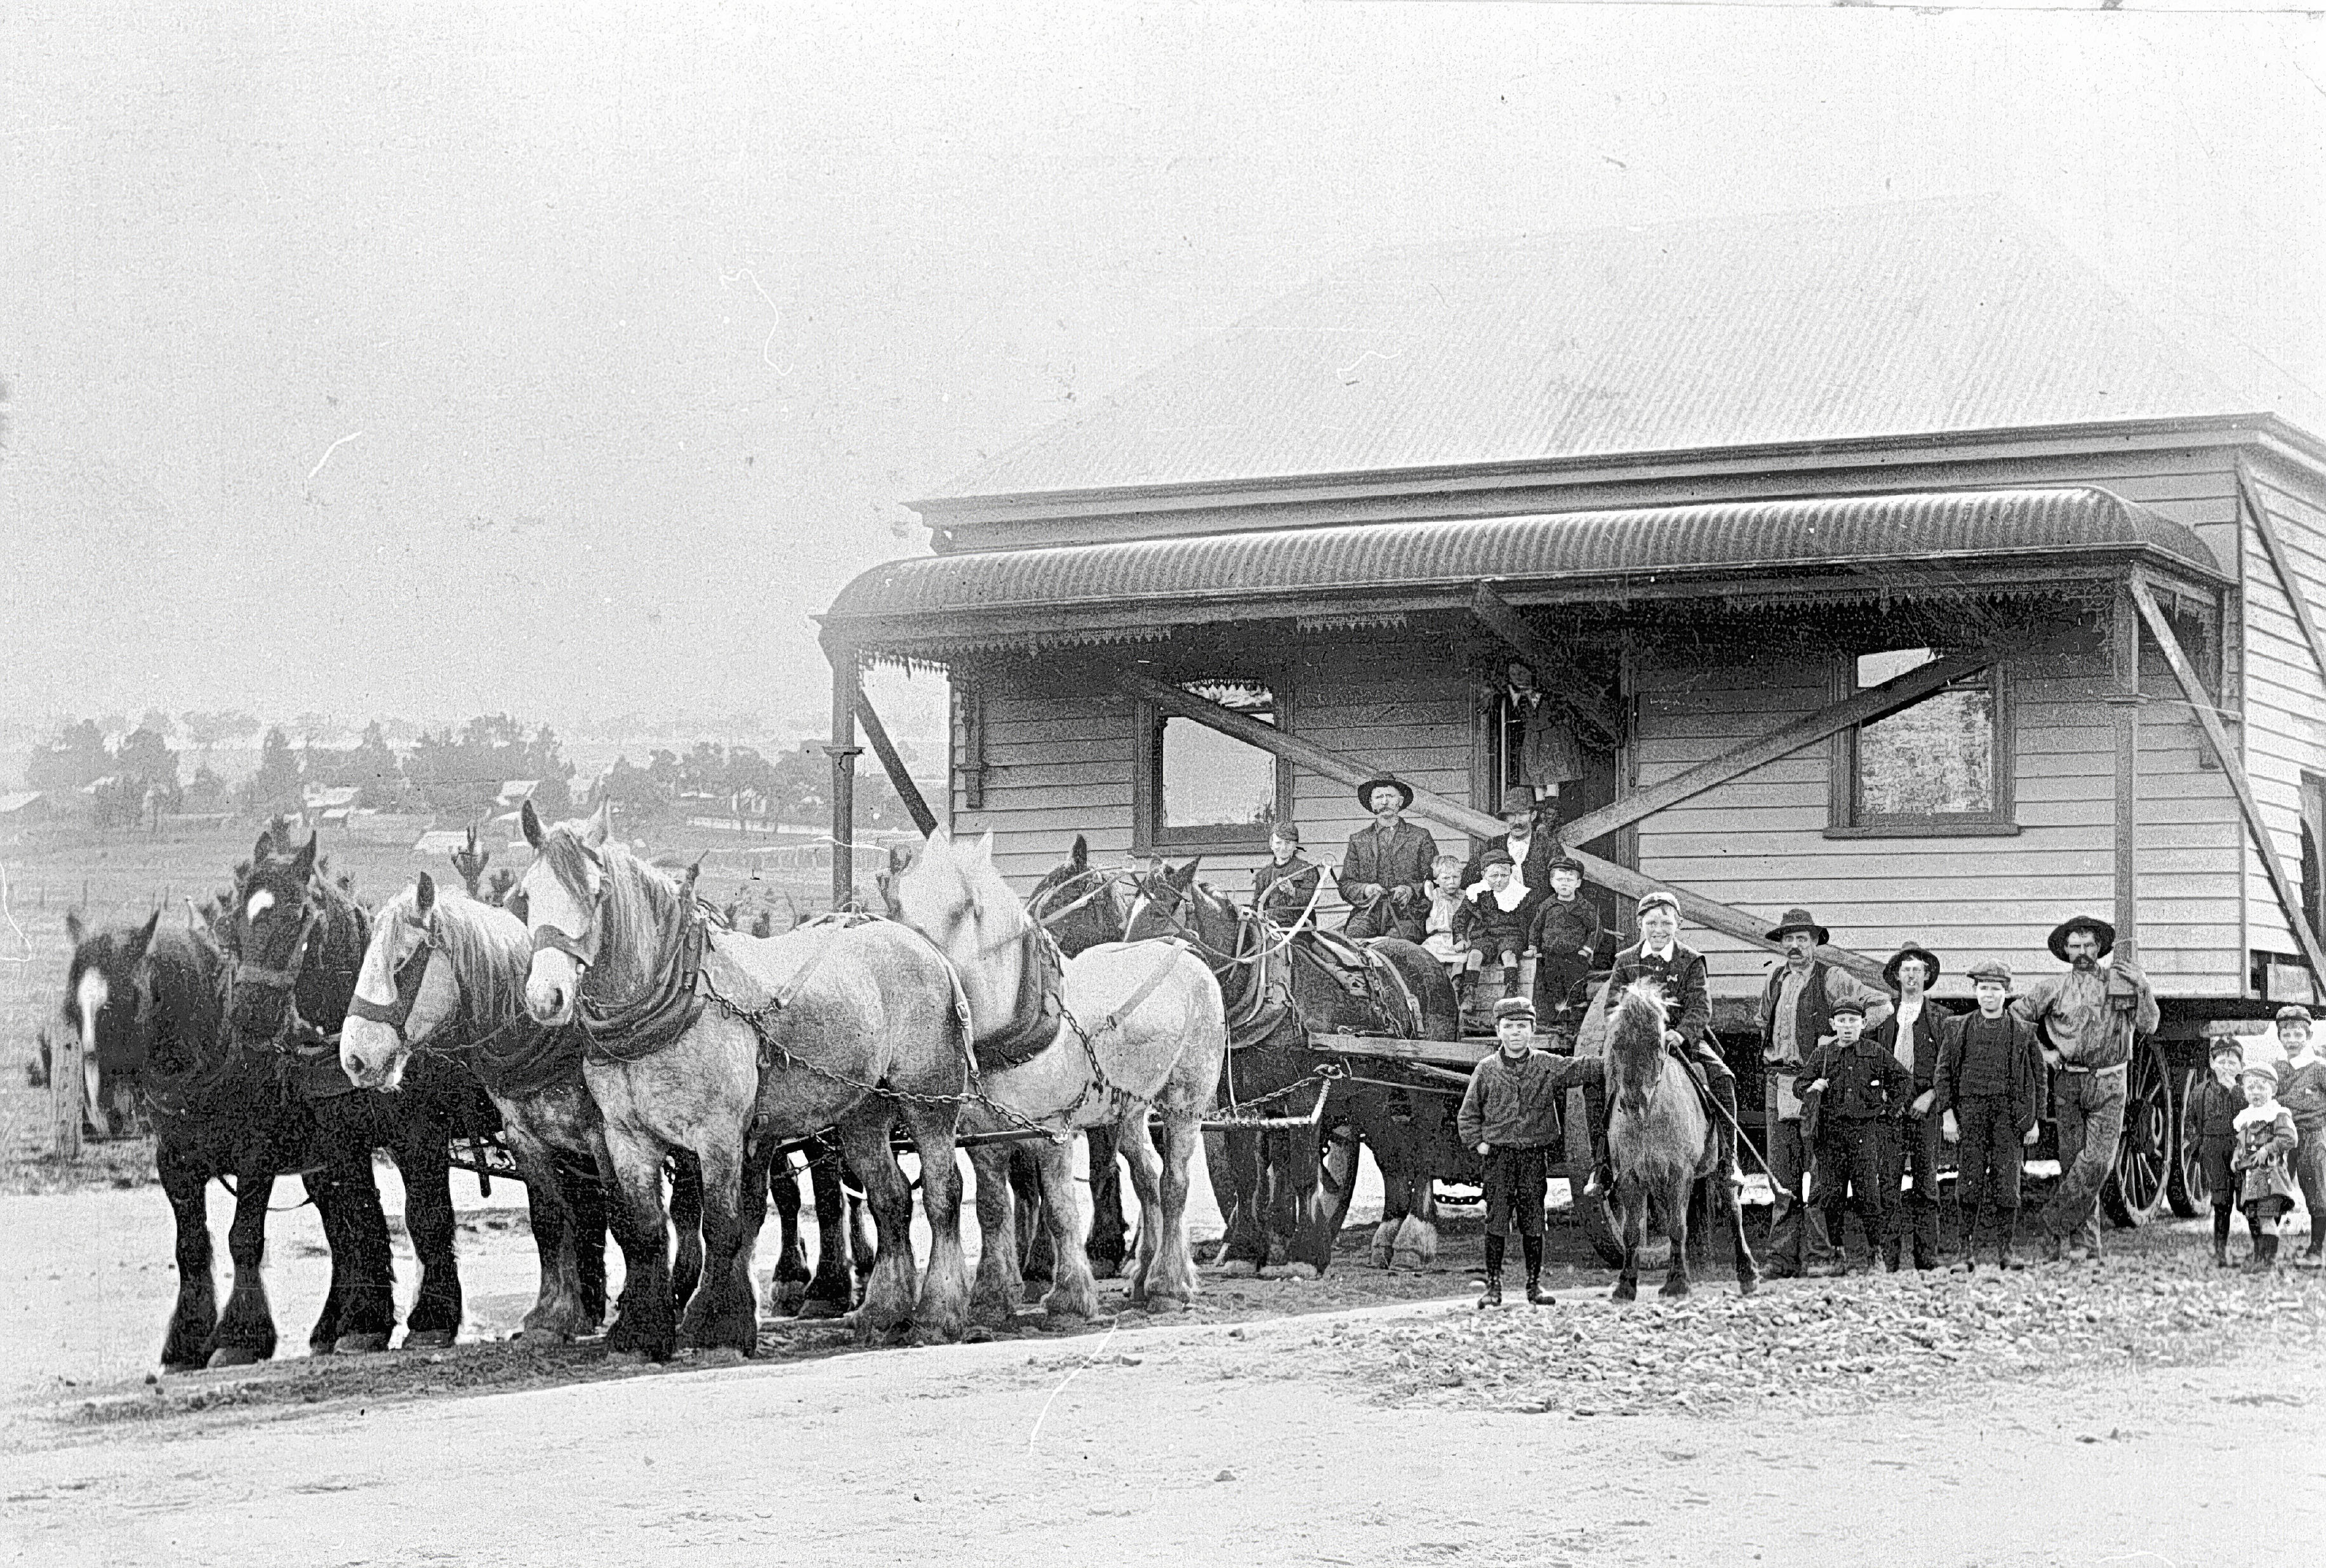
column 1142, row 1031
column 853, row 1025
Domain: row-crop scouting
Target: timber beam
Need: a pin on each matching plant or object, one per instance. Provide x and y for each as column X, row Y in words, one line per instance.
column 2281, row 564
column 2201, row 703
column 1724, row 918
column 894, row 765
column 1555, row 673
column 1874, row 702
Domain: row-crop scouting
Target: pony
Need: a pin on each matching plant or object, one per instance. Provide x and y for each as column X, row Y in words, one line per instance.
column 1664, row 1144
column 1126, row 1030
column 724, row 1046
column 217, row 1112
column 298, row 942
column 1283, row 1192
column 445, row 976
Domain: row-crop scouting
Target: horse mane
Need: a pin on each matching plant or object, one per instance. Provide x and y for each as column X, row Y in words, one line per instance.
column 1635, row 1040
column 488, row 947
column 638, row 898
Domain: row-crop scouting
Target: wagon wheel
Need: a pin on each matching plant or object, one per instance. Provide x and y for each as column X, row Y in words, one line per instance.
column 2135, row 1189
column 2185, row 1184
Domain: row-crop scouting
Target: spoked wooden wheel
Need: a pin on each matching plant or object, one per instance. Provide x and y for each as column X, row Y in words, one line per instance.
column 2135, row 1189
column 2185, row 1187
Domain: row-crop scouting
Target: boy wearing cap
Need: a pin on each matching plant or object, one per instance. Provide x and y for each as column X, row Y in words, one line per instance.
column 2265, row 1144
column 1491, row 920
column 1510, row 1115
column 1566, row 939
column 2209, row 1125
column 1857, row 1092
column 1679, row 971
column 1284, row 890
column 1991, row 1076
column 2301, row 1090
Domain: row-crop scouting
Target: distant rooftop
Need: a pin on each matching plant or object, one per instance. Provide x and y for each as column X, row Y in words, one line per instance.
column 1915, row 318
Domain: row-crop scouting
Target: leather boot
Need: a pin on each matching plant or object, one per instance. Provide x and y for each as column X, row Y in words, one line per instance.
column 1492, row 1296
column 1601, row 1183
column 1968, row 1262
column 2006, row 1254
column 1724, row 1091
column 1536, row 1295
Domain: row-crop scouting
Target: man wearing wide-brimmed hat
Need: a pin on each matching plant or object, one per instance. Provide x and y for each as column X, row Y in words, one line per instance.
column 1796, row 1012
column 1532, row 851
column 1384, row 872
column 1911, row 1034
column 2091, row 1015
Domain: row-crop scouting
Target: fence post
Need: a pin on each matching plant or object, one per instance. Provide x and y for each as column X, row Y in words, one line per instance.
column 65, row 1091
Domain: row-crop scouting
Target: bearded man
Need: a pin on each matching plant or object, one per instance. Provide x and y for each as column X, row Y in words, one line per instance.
column 2089, row 1016
column 1384, row 872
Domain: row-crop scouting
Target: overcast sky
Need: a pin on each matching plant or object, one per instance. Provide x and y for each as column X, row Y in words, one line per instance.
column 564, row 361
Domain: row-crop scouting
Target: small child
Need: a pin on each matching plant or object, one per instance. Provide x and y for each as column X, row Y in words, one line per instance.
column 2266, row 1141
column 1445, row 908
column 1284, row 891
column 1491, row 920
column 1862, row 1090
column 2301, row 1090
column 2209, row 1124
column 1566, row 941
column 1510, row 1115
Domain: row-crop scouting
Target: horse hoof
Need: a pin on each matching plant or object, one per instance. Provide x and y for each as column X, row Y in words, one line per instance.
column 428, row 1340
column 719, row 1356
column 1298, row 1271
column 360, row 1344
column 812, row 1307
column 233, row 1356
column 538, row 1336
column 1408, row 1262
column 1625, row 1292
column 1239, row 1268
column 1673, row 1292
column 786, row 1300
column 1747, row 1286
column 626, row 1357
column 1165, row 1303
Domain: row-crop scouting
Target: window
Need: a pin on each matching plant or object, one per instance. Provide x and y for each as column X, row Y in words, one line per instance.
column 1204, row 789
column 1942, row 765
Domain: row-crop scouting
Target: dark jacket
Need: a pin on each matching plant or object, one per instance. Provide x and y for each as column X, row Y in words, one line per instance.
column 2302, row 1091
column 1686, row 996
column 1535, row 871
column 1517, row 1102
column 1487, row 926
column 1560, row 933
column 1863, row 1081
column 1282, row 892
column 2026, row 1069
column 2211, row 1112
column 1398, row 862
column 1930, row 1024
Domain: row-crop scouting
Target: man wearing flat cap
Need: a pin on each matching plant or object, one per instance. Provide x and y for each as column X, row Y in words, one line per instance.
column 1796, row 1018
column 1679, row 970
column 1384, row 872
column 2089, row 1016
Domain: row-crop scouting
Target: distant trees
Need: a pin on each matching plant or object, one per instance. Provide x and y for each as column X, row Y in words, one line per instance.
column 794, row 788
column 461, row 775
column 275, row 786
column 76, row 757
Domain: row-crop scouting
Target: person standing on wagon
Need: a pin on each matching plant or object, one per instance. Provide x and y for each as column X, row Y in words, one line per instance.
column 1796, row 1018
column 2092, row 1014
column 1384, row 875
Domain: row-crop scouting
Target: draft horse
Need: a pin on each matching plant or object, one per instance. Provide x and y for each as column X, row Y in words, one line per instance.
column 723, row 1046
column 1664, row 1145
column 297, row 941
column 445, row 978
column 1137, row 1029
column 1282, row 1203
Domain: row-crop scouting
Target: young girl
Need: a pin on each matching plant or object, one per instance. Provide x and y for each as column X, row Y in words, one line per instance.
column 1444, row 903
column 2265, row 1144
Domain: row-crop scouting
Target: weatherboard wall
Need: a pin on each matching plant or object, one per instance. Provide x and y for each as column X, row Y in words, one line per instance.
column 2284, row 733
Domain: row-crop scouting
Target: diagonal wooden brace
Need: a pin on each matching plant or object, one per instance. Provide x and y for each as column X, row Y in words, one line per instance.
column 1551, row 667
column 1724, row 918
column 2201, row 703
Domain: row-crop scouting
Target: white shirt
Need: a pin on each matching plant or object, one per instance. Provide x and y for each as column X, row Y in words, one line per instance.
column 1909, row 1009
column 1663, row 953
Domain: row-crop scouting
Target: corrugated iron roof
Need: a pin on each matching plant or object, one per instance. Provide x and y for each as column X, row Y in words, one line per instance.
column 935, row 596
column 1908, row 320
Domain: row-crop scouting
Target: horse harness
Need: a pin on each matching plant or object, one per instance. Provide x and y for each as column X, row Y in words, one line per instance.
column 307, row 1060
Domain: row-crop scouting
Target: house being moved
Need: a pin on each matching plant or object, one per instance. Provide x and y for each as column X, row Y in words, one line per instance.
column 1884, row 561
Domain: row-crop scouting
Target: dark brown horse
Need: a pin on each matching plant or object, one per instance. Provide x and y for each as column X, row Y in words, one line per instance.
column 1283, row 1206
column 1664, row 1145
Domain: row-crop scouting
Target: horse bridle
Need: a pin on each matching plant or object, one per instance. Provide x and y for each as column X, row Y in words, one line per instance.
column 410, row 976
column 246, row 973
column 547, row 938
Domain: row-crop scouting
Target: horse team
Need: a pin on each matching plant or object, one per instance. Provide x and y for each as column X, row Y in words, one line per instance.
column 649, row 1070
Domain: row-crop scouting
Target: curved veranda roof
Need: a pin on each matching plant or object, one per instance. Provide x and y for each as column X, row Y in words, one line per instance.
column 1850, row 546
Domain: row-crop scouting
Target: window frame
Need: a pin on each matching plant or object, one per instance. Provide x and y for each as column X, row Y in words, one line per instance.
column 1843, row 817
column 1149, row 836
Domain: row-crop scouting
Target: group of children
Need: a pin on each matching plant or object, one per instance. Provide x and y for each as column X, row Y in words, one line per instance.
column 1495, row 923
column 2258, row 1125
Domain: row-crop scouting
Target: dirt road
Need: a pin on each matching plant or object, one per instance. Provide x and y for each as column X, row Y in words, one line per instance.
column 2129, row 1415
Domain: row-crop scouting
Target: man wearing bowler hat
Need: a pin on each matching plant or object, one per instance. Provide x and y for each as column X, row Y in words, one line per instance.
column 1796, row 1015
column 2089, row 1016
column 1384, row 872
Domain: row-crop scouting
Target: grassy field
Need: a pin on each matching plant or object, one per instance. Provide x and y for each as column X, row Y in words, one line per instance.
column 121, row 878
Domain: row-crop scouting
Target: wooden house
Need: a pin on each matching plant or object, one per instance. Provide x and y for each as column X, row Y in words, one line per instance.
column 1887, row 562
